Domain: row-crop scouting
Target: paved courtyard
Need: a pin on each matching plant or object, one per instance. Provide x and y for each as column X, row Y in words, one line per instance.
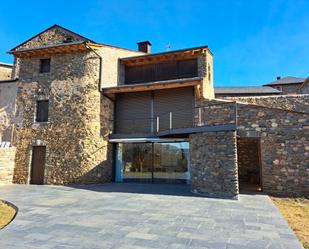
column 140, row 216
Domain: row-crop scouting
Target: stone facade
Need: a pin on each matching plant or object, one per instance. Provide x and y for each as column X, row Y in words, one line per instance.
column 77, row 148
column 205, row 70
column 76, row 134
column 213, row 165
column 298, row 103
column 5, row 71
column 8, row 92
column 7, row 157
column 284, row 147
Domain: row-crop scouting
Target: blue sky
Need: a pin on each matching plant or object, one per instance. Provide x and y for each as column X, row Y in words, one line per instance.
column 252, row 41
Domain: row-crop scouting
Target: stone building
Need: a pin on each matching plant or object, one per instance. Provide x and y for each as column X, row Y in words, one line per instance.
column 5, row 71
column 87, row 112
column 287, row 85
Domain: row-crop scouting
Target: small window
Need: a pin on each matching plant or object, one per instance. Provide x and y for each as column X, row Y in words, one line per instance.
column 42, row 111
column 44, row 65
column 209, row 73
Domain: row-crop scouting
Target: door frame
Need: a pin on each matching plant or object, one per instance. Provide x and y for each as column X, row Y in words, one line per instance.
column 260, row 157
column 152, row 142
column 30, row 156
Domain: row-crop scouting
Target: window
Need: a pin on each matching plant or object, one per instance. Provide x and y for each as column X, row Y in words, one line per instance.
column 42, row 111
column 209, row 73
column 44, row 65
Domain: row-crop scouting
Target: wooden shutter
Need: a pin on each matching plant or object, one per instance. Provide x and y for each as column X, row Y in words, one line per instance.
column 133, row 113
column 180, row 102
column 161, row 71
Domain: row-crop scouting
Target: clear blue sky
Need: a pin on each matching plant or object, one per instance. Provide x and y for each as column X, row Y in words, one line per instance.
column 252, row 41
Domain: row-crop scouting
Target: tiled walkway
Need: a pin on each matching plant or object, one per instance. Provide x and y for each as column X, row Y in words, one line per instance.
column 140, row 216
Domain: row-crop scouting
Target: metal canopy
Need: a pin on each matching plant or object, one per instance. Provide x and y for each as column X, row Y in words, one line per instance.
column 147, row 140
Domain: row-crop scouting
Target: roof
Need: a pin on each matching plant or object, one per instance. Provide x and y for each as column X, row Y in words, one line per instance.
column 182, row 54
column 286, row 81
column 53, row 49
column 83, row 38
column 247, row 90
column 3, row 64
column 166, row 53
column 51, row 27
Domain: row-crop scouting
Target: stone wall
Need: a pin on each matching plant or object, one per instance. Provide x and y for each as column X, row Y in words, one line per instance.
column 205, row 70
column 52, row 36
column 215, row 112
column 76, row 134
column 7, row 157
column 213, row 164
column 298, row 103
column 284, row 137
column 77, row 147
column 284, row 147
column 8, row 93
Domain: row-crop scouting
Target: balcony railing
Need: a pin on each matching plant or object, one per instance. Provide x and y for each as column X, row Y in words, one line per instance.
column 200, row 116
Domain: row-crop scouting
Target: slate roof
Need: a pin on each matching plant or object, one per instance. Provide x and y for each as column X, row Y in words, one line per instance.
column 247, row 90
column 286, row 81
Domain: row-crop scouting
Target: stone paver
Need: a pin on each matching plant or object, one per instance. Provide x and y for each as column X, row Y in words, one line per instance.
column 140, row 216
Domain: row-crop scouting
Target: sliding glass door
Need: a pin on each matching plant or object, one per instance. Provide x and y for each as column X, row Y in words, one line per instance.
column 153, row 162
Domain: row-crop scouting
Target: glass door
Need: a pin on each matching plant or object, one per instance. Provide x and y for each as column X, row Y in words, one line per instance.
column 134, row 162
column 153, row 162
column 171, row 162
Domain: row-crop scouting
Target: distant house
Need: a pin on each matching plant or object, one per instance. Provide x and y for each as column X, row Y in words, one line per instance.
column 5, row 71
column 304, row 88
column 288, row 85
column 246, row 91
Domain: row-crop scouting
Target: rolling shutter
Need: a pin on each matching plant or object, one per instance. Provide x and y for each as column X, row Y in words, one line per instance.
column 180, row 102
column 133, row 112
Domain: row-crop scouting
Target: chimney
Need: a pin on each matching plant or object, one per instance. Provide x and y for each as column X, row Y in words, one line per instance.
column 278, row 77
column 144, row 46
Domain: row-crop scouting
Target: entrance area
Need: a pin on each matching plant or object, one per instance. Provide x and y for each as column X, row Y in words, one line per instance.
column 249, row 164
column 38, row 165
column 153, row 162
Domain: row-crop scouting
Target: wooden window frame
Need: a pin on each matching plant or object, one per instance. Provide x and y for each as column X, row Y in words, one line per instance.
column 41, row 118
column 45, row 65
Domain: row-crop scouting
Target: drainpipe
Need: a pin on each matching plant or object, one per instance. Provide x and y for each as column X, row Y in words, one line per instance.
column 100, row 65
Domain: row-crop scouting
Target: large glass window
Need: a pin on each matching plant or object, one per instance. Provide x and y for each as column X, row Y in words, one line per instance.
column 153, row 162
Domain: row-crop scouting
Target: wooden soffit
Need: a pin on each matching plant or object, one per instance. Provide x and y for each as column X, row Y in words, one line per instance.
column 166, row 56
column 53, row 49
column 160, row 85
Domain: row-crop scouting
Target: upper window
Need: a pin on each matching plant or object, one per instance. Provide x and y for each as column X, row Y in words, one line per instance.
column 42, row 111
column 44, row 65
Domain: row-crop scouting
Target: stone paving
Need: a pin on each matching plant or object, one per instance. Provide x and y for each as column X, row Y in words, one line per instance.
column 140, row 216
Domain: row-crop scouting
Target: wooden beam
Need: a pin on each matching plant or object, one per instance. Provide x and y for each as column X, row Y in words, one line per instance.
column 142, row 88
